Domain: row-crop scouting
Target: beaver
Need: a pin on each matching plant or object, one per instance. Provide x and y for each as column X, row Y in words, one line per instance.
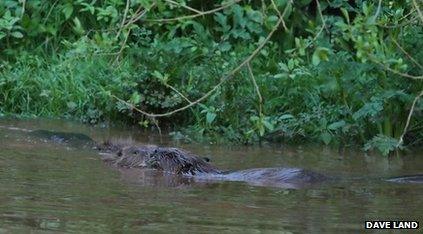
column 124, row 153
column 180, row 162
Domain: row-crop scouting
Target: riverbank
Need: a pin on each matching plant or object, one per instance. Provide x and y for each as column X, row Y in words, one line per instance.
column 334, row 74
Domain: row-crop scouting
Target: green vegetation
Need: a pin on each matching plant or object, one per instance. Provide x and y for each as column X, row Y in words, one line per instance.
column 334, row 71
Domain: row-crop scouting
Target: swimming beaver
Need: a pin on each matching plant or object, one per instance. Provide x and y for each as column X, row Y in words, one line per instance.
column 181, row 162
column 124, row 153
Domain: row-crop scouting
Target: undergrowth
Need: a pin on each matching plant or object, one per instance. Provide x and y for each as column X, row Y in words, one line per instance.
column 337, row 72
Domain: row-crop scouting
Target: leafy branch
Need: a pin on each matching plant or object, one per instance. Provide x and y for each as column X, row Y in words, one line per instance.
column 222, row 79
column 200, row 13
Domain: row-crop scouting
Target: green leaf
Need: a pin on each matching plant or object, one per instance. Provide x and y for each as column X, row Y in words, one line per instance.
column 281, row 3
column 320, row 54
column 261, row 130
column 366, row 10
column 71, row 105
column 336, row 125
column 2, row 35
column 369, row 110
column 268, row 125
column 315, row 59
column 272, row 19
column 238, row 12
column 67, row 10
column 326, row 137
column 16, row 34
column 77, row 26
column 383, row 144
column 210, row 116
column 135, row 98
column 255, row 16
column 286, row 116
column 346, row 15
column 158, row 74
column 225, row 46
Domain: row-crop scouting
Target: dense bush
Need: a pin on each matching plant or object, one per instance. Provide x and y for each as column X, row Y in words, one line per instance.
column 340, row 72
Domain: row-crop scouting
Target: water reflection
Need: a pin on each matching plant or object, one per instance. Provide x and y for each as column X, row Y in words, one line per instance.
column 50, row 187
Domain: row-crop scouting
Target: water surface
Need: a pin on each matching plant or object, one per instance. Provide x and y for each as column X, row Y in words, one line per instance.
column 50, row 188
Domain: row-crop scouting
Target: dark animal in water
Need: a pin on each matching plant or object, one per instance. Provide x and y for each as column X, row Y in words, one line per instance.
column 180, row 162
column 73, row 139
column 126, row 154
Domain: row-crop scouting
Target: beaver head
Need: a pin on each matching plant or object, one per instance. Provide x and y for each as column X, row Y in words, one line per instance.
column 133, row 156
column 179, row 162
column 125, row 154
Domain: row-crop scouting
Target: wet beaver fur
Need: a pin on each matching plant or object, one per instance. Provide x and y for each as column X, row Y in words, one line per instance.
column 125, row 154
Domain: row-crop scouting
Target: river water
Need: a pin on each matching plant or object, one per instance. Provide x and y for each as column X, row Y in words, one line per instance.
column 49, row 188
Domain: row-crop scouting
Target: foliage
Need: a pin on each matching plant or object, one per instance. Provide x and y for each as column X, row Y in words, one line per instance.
column 383, row 143
column 331, row 74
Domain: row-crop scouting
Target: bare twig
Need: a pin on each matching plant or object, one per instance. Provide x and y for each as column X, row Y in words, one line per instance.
column 133, row 107
column 130, row 105
column 322, row 27
column 418, row 10
column 195, row 15
column 280, row 14
column 49, row 12
column 122, row 47
column 401, row 139
column 184, row 6
column 123, row 20
column 260, row 99
column 319, row 9
column 222, row 80
column 23, row 8
column 408, row 14
column 138, row 15
column 156, row 123
column 408, row 22
column 124, row 25
column 407, row 54
column 177, row 91
column 395, row 71
column 379, row 6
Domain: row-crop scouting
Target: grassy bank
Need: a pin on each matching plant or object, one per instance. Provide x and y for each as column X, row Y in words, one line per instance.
column 336, row 72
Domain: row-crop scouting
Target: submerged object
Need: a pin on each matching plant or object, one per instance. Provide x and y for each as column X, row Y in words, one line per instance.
column 73, row 139
column 415, row 179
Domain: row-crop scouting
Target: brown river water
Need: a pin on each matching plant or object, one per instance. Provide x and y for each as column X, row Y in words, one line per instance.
column 52, row 188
